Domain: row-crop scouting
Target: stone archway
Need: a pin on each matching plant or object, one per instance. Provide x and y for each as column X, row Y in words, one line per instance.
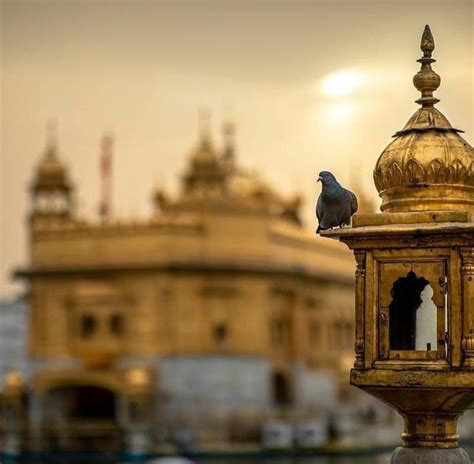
column 281, row 389
column 84, row 402
column 81, row 418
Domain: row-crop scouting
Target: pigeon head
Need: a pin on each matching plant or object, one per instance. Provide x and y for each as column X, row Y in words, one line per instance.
column 327, row 178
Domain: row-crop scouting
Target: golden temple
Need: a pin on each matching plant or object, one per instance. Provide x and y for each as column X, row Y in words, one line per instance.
column 218, row 307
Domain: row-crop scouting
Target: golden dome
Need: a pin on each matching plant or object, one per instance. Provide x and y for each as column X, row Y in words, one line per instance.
column 205, row 175
column 428, row 166
column 204, row 153
column 50, row 173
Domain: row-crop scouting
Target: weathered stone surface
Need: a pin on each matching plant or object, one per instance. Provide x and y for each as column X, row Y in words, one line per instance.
column 430, row 456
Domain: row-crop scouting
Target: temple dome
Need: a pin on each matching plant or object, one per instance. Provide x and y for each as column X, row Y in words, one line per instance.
column 205, row 175
column 428, row 166
column 50, row 174
column 214, row 180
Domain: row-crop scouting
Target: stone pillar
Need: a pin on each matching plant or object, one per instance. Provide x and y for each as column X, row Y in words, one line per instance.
column 136, row 414
column 467, row 273
column 430, row 438
column 359, row 310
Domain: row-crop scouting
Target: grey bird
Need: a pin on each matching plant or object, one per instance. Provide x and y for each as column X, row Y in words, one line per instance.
column 335, row 205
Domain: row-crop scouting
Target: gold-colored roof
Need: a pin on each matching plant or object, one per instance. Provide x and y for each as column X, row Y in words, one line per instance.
column 205, row 174
column 428, row 166
column 50, row 173
column 213, row 178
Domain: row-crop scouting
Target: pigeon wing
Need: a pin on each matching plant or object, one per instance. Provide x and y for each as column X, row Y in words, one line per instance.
column 354, row 205
column 319, row 209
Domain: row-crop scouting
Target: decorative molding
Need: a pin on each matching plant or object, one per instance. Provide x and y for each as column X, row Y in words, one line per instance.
column 467, row 269
column 467, row 273
column 360, row 261
column 359, row 345
column 413, row 172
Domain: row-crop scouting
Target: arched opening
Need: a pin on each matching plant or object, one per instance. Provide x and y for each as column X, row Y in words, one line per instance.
column 281, row 389
column 88, row 325
column 116, row 325
column 220, row 333
column 81, row 417
column 412, row 315
column 83, row 402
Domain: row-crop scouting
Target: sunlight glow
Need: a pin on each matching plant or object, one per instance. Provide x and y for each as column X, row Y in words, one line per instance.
column 338, row 112
column 341, row 83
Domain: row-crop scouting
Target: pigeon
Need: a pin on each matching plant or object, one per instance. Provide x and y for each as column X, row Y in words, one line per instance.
column 335, row 205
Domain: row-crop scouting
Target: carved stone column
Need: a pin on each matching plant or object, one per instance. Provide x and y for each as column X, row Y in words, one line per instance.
column 467, row 274
column 359, row 309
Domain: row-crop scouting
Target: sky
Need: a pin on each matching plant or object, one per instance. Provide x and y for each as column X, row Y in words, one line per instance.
column 310, row 85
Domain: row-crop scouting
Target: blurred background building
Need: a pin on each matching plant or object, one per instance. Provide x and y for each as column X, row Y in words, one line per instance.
column 212, row 316
column 217, row 311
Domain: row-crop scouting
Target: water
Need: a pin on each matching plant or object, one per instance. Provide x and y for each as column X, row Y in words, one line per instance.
column 371, row 459
column 382, row 459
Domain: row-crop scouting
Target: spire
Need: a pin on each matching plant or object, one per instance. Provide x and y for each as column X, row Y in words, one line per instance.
column 205, row 128
column 426, row 80
column 51, row 189
column 205, row 172
column 204, row 151
column 228, row 130
column 106, row 154
column 51, row 138
column 428, row 166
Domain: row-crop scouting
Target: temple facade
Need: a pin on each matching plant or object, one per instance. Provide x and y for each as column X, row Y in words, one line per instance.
column 220, row 305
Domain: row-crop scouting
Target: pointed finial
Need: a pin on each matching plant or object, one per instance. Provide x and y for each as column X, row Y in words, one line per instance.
column 204, row 126
column 427, row 42
column 51, row 138
column 426, row 80
column 228, row 130
column 106, row 154
column 107, row 142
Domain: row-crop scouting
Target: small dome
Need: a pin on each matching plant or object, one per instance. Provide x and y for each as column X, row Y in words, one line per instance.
column 205, row 174
column 50, row 173
column 428, row 166
column 203, row 153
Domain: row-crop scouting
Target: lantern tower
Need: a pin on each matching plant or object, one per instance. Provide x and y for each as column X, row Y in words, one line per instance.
column 414, row 338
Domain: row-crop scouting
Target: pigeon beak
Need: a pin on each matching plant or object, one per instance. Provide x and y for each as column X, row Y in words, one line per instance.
column 319, row 179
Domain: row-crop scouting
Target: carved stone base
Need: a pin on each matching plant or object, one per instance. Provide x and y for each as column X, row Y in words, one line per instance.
column 430, row 456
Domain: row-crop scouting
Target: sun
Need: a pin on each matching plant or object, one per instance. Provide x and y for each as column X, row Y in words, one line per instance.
column 341, row 83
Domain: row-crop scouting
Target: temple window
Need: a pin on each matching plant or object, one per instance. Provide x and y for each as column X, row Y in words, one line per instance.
column 116, row 324
column 88, row 325
column 220, row 333
column 281, row 389
column 413, row 316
